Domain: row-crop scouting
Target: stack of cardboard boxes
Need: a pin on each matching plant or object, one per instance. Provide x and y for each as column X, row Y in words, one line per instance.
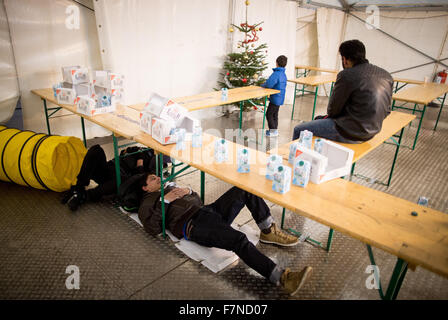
column 96, row 97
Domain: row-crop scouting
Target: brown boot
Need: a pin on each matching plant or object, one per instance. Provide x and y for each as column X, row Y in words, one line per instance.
column 278, row 237
column 294, row 281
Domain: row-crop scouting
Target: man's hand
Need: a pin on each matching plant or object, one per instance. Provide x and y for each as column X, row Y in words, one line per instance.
column 176, row 193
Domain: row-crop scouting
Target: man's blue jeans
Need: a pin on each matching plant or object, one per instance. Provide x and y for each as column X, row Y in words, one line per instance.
column 323, row 128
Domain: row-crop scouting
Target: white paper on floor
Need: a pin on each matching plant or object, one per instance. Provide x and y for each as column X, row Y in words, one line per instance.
column 213, row 258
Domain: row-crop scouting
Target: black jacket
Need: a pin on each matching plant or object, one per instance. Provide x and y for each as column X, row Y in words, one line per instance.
column 360, row 101
column 176, row 213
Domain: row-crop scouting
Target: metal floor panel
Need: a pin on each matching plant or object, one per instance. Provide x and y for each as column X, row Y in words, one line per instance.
column 39, row 237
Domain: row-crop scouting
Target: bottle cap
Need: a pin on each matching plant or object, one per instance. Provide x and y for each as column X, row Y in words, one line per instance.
column 301, row 163
column 280, row 169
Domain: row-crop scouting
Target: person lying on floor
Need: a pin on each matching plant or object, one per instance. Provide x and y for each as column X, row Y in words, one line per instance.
column 360, row 101
column 210, row 226
column 96, row 167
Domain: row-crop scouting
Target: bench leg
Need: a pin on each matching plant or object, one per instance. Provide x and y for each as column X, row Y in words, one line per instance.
column 395, row 157
column 330, row 239
column 440, row 111
column 162, row 192
column 203, row 186
column 83, row 132
column 419, row 126
column 46, row 116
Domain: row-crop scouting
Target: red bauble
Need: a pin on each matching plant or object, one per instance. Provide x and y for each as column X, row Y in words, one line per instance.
column 228, row 73
column 261, row 29
column 244, row 80
column 251, row 52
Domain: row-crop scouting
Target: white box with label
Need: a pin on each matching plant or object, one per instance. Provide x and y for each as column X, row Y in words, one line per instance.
column 146, row 122
column 163, row 130
column 75, row 74
column 65, row 95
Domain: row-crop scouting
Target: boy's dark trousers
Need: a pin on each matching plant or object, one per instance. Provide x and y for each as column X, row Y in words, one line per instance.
column 95, row 167
column 272, row 116
column 211, row 227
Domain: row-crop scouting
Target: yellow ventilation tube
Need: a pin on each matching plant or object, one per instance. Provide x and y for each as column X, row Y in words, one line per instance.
column 38, row 160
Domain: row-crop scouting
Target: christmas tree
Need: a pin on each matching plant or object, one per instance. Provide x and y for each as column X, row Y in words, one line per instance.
column 245, row 68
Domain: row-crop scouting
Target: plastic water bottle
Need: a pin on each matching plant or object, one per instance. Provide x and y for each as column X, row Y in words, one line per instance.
column 318, row 145
column 180, row 139
column 196, row 139
column 282, row 179
column 292, row 152
column 55, row 87
column 243, row 160
column 302, row 169
column 273, row 162
column 306, row 138
column 224, row 94
column 105, row 101
column 221, row 150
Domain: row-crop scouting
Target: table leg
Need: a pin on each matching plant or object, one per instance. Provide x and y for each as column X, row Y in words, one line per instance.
column 440, row 112
column 352, row 171
column 315, row 100
column 419, row 126
column 46, row 116
column 117, row 161
column 83, row 132
column 396, row 87
column 294, row 101
column 264, row 118
column 331, row 90
column 395, row 157
column 283, row 218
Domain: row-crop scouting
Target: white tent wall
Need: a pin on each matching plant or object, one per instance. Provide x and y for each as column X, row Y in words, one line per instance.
column 177, row 48
column 307, row 49
column 420, row 29
column 279, row 19
column 42, row 44
column 9, row 92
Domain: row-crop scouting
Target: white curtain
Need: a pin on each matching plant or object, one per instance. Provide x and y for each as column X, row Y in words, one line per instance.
column 42, row 44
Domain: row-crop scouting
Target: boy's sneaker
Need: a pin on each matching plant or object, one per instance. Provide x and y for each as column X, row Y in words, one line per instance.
column 273, row 133
column 278, row 237
column 268, row 133
column 78, row 197
column 294, row 281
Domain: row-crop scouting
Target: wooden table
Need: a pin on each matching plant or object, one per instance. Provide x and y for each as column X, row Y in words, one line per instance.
column 421, row 95
column 371, row 216
column 395, row 122
column 314, row 81
column 213, row 99
column 308, row 69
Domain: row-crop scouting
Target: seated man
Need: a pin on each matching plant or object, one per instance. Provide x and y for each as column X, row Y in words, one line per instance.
column 360, row 101
column 209, row 226
column 96, row 167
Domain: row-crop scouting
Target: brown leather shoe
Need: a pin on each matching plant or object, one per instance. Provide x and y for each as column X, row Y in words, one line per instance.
column 294, row 281
column 278, row 237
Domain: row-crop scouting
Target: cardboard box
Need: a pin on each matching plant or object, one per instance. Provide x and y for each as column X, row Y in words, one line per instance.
column 334, row 162
column 163, row 131
column 166, row 109
column 75, row 75
column 91, row 107
column 146, row 122
column 65, row 95
column 107, row 79
column 84, row 89
column 189, row 123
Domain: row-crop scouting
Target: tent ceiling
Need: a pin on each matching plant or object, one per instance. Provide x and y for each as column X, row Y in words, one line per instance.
column 387, row 4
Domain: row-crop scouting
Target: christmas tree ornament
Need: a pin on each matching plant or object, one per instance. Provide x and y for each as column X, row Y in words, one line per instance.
column 231, row 30
column 228, row 73
column 261, row 29
column 244, row 80
column 247, row 2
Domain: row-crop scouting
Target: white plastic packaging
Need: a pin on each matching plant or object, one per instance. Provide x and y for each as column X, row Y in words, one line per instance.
column 274, row 161
column 243, row 160
column 221, row 150
column 302, row 169
column 282, row 179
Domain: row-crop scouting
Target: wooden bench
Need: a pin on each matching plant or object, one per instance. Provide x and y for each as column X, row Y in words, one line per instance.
column 373, row 217
column 421, row 95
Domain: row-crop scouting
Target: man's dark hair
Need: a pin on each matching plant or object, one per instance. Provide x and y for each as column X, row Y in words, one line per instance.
column 142, row 180
column 282, row 61
column 354, row 51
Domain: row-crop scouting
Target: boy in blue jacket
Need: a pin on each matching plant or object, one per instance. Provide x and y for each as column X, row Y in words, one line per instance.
column 277, row 81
